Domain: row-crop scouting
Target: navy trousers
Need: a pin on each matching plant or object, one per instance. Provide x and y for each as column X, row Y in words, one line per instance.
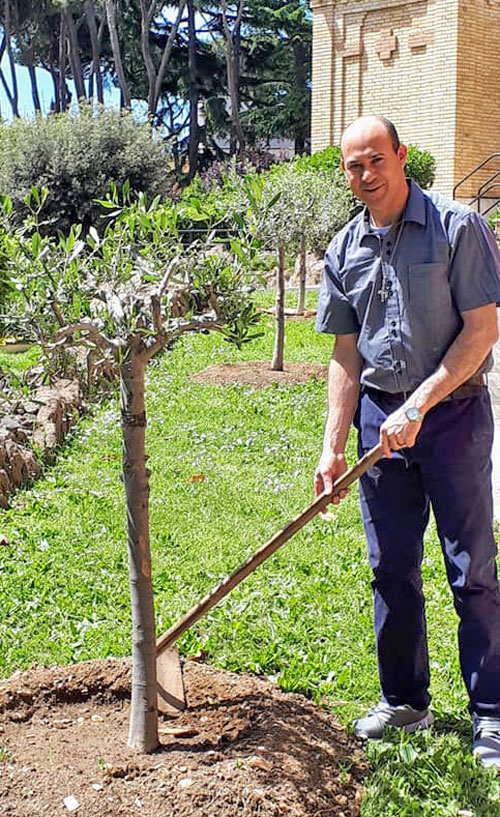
column 449, row 468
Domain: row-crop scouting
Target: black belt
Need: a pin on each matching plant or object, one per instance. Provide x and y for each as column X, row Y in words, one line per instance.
column 471, row 388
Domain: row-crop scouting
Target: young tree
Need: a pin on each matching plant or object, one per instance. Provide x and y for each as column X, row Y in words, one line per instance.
column 290, row 209
column 129, row 294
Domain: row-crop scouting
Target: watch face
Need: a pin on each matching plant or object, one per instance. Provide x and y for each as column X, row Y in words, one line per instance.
column 413, row 414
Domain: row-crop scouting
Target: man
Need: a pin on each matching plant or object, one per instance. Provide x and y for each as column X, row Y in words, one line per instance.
column 410, row 291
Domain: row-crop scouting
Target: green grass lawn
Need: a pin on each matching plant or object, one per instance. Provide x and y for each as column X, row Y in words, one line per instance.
column 303, row 618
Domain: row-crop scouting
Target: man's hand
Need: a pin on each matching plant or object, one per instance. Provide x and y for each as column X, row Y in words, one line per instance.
column 330, row 468
column 397, row 431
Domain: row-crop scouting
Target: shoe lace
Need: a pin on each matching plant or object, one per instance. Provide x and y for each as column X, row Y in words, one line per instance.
column 486, row 726
column 383, row 710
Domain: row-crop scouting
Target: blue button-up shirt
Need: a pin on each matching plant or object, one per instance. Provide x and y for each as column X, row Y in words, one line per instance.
column 402, row 291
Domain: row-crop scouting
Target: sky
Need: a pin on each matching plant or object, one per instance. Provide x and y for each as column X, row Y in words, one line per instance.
column 45, row 90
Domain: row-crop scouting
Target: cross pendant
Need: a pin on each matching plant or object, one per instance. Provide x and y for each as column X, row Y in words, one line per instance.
column 383, row 292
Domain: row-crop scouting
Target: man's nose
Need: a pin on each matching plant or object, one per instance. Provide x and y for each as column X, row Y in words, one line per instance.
column 367, row 174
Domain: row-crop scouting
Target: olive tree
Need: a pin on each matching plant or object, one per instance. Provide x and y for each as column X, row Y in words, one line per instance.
column 291, row 209
column 128, row 295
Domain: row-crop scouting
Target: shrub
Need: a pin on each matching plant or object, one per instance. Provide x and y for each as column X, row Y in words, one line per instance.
column 420, row 166
column 77, row 157
column 252, row 160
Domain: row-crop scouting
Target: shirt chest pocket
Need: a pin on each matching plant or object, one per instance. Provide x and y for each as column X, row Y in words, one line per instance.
column 428, row 287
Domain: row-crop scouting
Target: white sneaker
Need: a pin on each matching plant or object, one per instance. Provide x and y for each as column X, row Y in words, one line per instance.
column 486, row 739
column 383, row 715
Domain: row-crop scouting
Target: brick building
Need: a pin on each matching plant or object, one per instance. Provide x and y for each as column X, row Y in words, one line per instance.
column 432, row 66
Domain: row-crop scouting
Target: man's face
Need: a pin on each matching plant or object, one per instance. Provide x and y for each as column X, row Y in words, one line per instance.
column 374, row 170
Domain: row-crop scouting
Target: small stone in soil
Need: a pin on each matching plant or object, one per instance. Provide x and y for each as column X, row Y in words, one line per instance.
column 71, row 803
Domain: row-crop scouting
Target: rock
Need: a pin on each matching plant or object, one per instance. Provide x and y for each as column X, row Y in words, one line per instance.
column 18, row 470
column 11, row 423
column 314, row 270
column 4, row 489
column 30, row 407
column 71, row 803
column 59, row 410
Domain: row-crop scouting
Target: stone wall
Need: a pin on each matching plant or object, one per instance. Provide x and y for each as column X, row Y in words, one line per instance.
column 426, row 64
column 40, row 421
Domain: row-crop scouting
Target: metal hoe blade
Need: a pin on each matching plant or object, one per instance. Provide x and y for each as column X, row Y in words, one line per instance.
column 171, row 693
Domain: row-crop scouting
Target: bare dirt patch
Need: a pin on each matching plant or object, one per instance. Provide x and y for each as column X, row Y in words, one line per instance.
column 259, row 375
column 242, row 749
column 291, row 314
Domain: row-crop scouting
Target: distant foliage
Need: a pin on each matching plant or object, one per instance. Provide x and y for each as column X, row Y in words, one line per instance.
column 420, row 165
column 252, row 160
column 327, row 159
column 78, row 158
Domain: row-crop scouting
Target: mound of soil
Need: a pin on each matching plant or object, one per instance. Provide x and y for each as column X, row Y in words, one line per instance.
column 242, row 748
column 258, row 374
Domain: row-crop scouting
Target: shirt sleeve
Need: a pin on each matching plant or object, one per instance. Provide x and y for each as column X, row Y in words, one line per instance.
column 335, row 313
column 474, row 264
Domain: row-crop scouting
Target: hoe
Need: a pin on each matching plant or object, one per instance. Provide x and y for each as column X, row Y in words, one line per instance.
column 171, row 694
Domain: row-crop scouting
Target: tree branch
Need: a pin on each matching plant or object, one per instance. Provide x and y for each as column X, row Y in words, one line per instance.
column 94, row 332
column 166, row 278
column 194, row 325
column 166, row 55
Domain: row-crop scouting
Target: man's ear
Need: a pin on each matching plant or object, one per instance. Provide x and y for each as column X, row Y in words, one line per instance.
column 342, row 164
column 402, row 154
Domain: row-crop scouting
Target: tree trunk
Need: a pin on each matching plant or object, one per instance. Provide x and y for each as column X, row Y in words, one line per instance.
column 63, row 90
column 56, row 104
column 237, row 140
column 34, row 86
column 143, row 728
column 194, row 130
column 302, row 276
column 95, row 75
column 74, row 56
column 279, row 338
column 115, row 47
column 166, row 56
column 13, row 96
column 146, row 17
column 300, row 81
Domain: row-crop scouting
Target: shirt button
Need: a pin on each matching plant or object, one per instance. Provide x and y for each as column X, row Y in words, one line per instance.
column 394, row 332
column 387, row 252
column 393, row 323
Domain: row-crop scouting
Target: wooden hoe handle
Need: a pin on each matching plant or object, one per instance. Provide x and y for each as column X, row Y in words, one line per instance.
column 279, row 539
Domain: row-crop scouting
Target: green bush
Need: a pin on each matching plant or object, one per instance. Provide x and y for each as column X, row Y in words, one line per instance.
column 420, row 165
column 77, row 157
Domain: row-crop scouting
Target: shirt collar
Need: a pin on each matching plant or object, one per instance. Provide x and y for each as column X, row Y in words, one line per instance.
column 414, row 209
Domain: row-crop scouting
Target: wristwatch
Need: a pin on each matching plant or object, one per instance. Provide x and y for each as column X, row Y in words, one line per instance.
column 413, row 414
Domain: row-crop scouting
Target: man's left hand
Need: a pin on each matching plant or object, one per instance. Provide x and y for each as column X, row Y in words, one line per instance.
column 397, row 431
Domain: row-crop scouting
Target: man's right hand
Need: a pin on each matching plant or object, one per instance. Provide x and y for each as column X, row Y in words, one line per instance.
column 330, row 468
